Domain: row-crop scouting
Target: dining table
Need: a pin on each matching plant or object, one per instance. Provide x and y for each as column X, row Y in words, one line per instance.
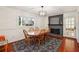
column 37, row 35
column 38, row 32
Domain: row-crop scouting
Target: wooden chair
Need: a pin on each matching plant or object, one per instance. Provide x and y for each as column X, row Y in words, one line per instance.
column 28, row 39
column 40, row 38
column 43, row 35
column 46, row 33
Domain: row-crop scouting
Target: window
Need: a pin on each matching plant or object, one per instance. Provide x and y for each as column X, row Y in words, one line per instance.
column 70, row 26
column 70, row 21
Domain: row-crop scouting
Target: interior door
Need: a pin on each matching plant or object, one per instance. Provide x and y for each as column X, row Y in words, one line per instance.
column 70, row 26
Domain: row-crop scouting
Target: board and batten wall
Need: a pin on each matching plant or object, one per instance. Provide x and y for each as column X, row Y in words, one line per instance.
column 9, row 23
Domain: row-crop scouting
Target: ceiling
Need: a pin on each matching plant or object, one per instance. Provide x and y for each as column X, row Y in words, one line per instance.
column 51, row 10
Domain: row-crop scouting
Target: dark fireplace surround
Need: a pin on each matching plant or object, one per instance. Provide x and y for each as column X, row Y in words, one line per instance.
column 55, row 31
column 56, row 24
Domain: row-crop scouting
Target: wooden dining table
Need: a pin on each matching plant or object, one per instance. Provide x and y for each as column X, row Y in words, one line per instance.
column 33, row 33
column 38, row 35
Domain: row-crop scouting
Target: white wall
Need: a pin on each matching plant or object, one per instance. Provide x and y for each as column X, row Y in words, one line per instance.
column 9, row 23
column 44, row 22
column 77, row 27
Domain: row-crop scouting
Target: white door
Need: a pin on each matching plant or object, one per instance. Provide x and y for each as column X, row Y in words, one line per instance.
column 70, row 26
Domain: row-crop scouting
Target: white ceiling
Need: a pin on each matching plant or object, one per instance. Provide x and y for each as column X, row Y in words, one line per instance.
column 51, row 10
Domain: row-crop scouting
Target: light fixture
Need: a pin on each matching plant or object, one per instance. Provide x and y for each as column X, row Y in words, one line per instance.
column 42, row 12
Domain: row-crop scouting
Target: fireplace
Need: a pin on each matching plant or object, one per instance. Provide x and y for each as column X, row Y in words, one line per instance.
column 56, row 24
column 55, row 31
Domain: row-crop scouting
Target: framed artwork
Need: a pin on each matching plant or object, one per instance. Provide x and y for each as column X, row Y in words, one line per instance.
column 54, row 20
column 26, row 21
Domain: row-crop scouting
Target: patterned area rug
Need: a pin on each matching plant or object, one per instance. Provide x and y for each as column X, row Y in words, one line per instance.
column 51, row 45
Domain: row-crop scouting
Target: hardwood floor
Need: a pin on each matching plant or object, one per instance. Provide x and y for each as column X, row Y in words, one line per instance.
column 6, row 48
column 68, row 44
column 9, row 47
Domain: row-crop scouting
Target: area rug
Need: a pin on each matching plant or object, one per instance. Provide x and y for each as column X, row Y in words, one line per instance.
column 51, row 45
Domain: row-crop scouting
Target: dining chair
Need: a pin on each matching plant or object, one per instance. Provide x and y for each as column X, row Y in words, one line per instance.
column 28, row 39
column 40, row 38
column 47, row 30
column 43, row 35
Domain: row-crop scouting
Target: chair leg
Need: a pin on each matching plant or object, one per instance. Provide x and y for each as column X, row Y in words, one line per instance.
column 28, row 42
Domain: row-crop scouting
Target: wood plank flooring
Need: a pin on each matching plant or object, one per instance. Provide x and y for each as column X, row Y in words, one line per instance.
column 67, row 45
